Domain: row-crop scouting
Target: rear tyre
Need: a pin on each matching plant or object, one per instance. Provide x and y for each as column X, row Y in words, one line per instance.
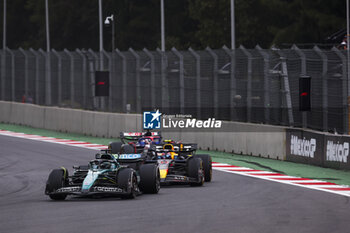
column 58, row 178
column 195, row 170
column 150, row 178
column 127, row 181
column 115, row 147
column 127, row 149
column 207, row 167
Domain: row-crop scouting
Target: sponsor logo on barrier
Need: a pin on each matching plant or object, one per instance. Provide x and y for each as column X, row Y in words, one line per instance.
column 338, row 152
column 302, row 147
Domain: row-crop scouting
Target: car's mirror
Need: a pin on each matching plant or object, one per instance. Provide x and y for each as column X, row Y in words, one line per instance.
column 98, row 156
column 81, row 167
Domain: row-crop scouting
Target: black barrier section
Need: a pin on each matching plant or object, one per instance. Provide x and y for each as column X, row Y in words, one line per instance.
column 101, row 83
column 304, row 93
column 321, row 149
column 304, row 147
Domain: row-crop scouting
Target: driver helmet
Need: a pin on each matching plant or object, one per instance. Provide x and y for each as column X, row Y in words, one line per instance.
column 105, row 165
column 148, row 133
column 94, row 165
column 145, row 141
column 156, row 141
column 171, row 155
column 142, row 142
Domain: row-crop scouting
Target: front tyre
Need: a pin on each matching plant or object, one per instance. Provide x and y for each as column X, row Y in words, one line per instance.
column 115, row 147
column 150, row 178
column 195, row 170
column 58, row 178
column 127, row 181
column 207, row 166
column 127, row 149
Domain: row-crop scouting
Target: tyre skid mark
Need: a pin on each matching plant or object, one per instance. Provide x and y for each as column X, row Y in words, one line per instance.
column 259, row 174
column 23, row 185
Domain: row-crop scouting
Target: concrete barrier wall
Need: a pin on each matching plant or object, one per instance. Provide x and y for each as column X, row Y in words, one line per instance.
column 296, row 145
column 5, row 111
column 242, row 138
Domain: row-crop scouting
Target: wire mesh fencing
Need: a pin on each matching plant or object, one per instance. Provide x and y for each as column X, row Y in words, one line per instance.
column 248, row 85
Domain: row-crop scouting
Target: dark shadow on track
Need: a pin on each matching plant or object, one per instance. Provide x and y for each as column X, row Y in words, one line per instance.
column 262, row 166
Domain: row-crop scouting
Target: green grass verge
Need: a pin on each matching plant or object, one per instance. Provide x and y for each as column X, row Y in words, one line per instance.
column 288, row 168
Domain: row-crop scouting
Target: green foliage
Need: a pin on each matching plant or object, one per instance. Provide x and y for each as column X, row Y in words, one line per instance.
column 213, row 18
column 310, row 21
column 188, row 23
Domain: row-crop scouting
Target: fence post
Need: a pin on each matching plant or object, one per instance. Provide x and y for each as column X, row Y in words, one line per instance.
column 13, row 81
column 59, row 81
column 303, row 59
column 215, row 80
column 182, row 80
column 285, row 79
column 93, row 54
column 138, row 94
column 47, row 77
column 266, row 57
column 110, row 79
column 25, row 72
column 153, row 79
column 84, row 75
column 198, row 81
column 43, row 53
column 71, row 76
column 3, row 73
column 165, row 94
column 93, row 68
column 92, row 76
column 324, row 87
column 287, row 90
column 233, row 84
column 249, row 83
column 36, row 74
column 303, row 72
column 344, row 91
column 124, row 90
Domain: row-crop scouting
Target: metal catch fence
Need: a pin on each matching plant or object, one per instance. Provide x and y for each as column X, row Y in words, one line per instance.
column 248, row 85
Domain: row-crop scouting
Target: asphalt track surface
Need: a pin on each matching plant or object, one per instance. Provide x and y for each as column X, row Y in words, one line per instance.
column 230, row 203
